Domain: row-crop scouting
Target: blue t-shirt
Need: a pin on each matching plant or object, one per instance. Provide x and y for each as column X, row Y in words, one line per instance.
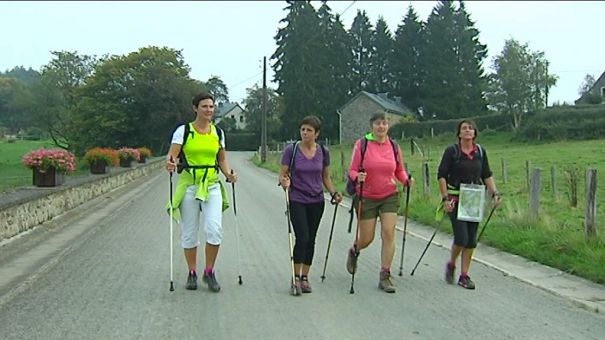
column 307, row 181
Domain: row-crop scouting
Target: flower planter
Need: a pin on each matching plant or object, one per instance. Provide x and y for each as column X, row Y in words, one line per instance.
column 142, row 159
column 98, row 167
column 48, row 178
column 125, row 163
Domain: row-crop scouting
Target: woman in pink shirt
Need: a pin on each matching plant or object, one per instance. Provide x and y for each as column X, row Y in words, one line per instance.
column 381, row 166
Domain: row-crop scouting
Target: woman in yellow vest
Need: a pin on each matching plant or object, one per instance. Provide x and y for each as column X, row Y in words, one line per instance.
column 199, row 187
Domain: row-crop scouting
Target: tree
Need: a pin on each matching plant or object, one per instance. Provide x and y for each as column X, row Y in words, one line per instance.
column 136, row 100
column 218, row 89
column 380, row 79
column 254, row 109
column 521, row 81
column 362, row 38
column 299, row 65
column 406, row 62
column 586, row 85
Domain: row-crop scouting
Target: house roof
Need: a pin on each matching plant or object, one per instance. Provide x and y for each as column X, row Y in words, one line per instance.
column 599, row 82
column 224, row 108
column 387, row 104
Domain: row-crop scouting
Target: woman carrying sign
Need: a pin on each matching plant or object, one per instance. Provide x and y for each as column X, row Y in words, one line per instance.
column 463, row 163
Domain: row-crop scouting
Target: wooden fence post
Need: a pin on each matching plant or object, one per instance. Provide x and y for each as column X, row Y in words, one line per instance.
column 425, row 178
column 412, row 146
column 504, row 172
column 590, row 229
column 342, row 166
column 527, row 165
column 534, row 194
column 572, row 176
column 553, row 182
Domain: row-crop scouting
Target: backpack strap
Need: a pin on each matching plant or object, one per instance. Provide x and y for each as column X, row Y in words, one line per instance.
column 292, row 162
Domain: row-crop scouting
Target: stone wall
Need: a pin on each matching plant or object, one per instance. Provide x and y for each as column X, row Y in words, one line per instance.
column 27, row 207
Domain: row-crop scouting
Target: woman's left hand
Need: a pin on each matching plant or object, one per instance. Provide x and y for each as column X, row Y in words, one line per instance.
column 336, row 198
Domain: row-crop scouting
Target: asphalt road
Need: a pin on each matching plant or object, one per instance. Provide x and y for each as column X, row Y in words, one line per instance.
column 102, row 272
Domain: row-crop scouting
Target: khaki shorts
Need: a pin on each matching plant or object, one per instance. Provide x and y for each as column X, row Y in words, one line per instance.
column 371, row 209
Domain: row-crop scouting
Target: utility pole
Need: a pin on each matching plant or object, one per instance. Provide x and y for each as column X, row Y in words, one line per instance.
column 263, row 129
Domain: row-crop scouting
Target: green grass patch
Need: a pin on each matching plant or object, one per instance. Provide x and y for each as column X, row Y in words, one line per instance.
column 555, row 239
column 13, row 173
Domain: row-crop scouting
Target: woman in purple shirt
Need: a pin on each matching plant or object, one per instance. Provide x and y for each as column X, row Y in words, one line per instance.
column 305, row 166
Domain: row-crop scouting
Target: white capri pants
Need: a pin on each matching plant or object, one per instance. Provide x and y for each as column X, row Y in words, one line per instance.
column 211, row 210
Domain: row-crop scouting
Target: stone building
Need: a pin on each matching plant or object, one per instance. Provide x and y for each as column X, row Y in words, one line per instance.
column 354, row 116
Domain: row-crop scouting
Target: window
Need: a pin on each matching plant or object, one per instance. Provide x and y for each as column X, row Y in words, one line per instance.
column 603, row 92
column 241, row 119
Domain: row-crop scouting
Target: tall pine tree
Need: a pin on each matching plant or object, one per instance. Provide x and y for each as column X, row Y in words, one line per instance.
column 362, row 38
column 380, row 79
column 405, row 61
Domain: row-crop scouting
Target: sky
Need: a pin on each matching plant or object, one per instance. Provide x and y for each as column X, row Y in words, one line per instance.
column 230, row 38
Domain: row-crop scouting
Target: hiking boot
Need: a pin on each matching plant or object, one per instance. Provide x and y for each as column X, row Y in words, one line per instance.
column 450, row 269
column 305, row 287
column 352, row 261
column 296, row 288
column 385, row 283
column 210, row 280
column 466, row 282
column 192, row 281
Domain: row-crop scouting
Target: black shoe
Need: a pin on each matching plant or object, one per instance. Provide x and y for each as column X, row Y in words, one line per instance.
column 210, row 280
column 450, row 269
column 466, row 282
column 192, row 281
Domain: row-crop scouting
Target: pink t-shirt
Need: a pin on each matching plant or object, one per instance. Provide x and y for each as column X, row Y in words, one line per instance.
column 379, row 164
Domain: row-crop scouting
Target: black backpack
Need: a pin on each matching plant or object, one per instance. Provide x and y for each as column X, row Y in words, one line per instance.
column 183, row 164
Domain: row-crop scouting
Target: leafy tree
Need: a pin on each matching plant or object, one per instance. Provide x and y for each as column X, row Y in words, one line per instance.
column 57, row 95
column 28, row 76
column 362, row 39
column 136, row 100
column 218, row 89
column 254, row 109
column 586, row 85
column 520, row 82
column 405, row 63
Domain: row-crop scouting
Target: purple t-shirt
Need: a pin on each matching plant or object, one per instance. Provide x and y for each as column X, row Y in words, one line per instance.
column 307, row 181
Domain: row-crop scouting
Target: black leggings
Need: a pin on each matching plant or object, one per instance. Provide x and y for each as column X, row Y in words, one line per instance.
column 305, row 221
column 465, row 233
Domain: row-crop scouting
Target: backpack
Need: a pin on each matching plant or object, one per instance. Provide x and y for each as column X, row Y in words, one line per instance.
column 294, row 151
column 182, row 164
column 458, row 156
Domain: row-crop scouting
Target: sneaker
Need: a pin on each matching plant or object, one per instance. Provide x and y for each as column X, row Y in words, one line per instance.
column 450, row 269
column 192, row 281
column 296, row 288
column 385, row 283
column 305, row 287
column 352, row 261
column 210, row 280
column 466, row 282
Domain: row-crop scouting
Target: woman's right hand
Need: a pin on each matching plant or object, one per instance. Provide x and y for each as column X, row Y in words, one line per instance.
column 361, row 176
column 284, row 181
column 170, row 165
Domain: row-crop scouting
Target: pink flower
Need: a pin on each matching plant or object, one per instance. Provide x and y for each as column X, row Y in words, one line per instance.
column 42, row 159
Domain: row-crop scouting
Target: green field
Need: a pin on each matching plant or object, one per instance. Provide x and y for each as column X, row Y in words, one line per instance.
column 556, row 238
column 12, row 172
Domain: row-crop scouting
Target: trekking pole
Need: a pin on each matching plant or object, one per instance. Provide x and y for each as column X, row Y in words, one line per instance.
column 323, row 275
column 239, row 273
column 352, row 290
column 171, row 236
column 405, row 226
column 292, row 287
column 486, row 222
column 427, row 245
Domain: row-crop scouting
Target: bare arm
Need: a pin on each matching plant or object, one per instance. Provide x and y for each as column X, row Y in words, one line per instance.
column 327, row 180
column 172, row 157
